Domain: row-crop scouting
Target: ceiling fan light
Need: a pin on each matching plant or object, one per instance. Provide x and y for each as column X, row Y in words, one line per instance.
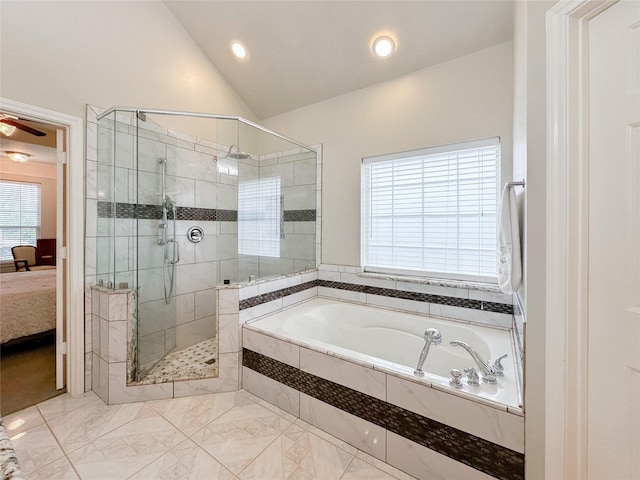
column 7, row 129
column 18, row 156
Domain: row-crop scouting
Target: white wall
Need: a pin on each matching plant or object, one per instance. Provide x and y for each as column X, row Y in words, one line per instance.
column 63, row 55
column 530, row 141
column 466, row 98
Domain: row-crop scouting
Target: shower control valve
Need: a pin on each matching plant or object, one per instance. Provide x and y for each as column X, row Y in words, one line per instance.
column 455, row 381
column 473, row 379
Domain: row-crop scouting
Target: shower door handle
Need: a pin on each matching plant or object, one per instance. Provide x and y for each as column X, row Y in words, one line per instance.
column 281, row 216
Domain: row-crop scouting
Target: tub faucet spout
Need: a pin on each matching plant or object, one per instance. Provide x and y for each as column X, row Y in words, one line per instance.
column 487, row 370
column 431, row 336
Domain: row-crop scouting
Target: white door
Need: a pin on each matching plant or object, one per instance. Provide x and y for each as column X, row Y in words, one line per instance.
column 614, row 243
column 61, row 255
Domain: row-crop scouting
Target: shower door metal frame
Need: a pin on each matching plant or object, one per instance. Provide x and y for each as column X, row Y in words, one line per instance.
column 213, row 116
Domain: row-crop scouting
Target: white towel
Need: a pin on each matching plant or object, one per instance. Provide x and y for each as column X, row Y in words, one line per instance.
column 509, row 261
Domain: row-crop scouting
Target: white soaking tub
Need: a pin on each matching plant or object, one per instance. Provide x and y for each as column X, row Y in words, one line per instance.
column 391, row 341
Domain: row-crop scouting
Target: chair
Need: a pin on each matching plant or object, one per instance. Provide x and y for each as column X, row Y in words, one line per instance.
column 24, row 259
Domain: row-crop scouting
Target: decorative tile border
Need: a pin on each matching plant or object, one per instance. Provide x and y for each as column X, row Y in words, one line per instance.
column 385, row 292
column 299, row 215
column 476, row 452
column 154, row 212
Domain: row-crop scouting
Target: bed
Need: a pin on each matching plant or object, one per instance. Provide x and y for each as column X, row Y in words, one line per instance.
column 27, row 304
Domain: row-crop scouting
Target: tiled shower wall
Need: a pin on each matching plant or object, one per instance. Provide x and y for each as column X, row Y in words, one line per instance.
column 203, row 196
column 210, row 204
column 300, row 174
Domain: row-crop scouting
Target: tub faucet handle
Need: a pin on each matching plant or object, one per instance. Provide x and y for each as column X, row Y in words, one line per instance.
column 498, row 366
column 455, row 381
column 473, row 379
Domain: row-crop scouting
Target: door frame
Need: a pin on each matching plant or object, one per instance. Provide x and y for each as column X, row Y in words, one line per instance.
column 566, row 362
column 74, row 196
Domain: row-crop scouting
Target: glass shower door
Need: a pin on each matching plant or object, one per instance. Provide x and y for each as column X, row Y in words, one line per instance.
column 176, row 253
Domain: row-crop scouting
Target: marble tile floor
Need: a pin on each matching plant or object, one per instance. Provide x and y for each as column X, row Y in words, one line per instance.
column 230, row 436
column 187, row 364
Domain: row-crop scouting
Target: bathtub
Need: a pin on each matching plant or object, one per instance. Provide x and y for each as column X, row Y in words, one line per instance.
column 391, row 341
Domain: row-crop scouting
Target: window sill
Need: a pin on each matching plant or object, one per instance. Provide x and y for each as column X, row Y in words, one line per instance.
column 441, row 282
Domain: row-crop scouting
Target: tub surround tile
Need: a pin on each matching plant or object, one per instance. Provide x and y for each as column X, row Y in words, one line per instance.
column 360, row 433
column 285, row 352
column 361, row 470
column 340, row 294
column 282, row 396
column 344, row 373
column 260, row 310
column 269, row 406
column 385, row 467
column 398, row 304
column 494, row 425
column 479, row 315
column 360, row 293
column 424, row 463
column 329, row 438
column 299, row 297
column 446, row 440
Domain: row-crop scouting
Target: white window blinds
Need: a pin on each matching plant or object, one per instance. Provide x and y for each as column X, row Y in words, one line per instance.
column 259, row 214
column 432, row 211
column 19, row 216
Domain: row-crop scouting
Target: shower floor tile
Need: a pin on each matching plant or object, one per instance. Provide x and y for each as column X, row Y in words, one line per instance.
column 192, row 363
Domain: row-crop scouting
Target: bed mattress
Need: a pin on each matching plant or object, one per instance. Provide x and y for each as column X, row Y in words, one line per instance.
column 27, row 303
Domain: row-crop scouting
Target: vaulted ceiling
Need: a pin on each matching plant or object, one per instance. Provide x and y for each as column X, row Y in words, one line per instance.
column 304, row 52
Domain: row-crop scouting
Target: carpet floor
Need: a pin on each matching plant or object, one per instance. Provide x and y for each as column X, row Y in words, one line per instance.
column 27, row 374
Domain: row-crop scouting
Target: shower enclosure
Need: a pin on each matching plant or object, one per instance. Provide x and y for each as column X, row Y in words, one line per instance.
column 187, row 201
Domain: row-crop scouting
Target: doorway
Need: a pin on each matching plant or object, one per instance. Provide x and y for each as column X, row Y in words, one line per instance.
column 31, row 223
column 55, row 172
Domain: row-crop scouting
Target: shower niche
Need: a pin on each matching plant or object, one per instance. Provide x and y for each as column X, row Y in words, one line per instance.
column 186, row 202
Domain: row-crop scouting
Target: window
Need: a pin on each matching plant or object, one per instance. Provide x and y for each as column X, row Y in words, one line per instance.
column 259, row 217
column 19, row 215
column 432, row 211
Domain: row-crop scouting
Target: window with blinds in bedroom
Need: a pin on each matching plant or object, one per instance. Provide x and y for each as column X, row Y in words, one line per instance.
column 19, row 215
column 432, row 212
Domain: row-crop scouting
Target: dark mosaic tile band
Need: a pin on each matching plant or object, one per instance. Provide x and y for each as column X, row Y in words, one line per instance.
column 476, row 452
column 300, row 215
column 154, row 212
column 384, row 292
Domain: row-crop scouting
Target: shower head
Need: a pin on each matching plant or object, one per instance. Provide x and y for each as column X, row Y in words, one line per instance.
column 237, row 155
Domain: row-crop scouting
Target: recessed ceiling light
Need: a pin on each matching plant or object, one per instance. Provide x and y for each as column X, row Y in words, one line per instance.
column 18, row 156
column 238, row 49
column 383, row 46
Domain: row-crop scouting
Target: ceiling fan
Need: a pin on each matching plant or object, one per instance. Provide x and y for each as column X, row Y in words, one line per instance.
column 9, row 123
